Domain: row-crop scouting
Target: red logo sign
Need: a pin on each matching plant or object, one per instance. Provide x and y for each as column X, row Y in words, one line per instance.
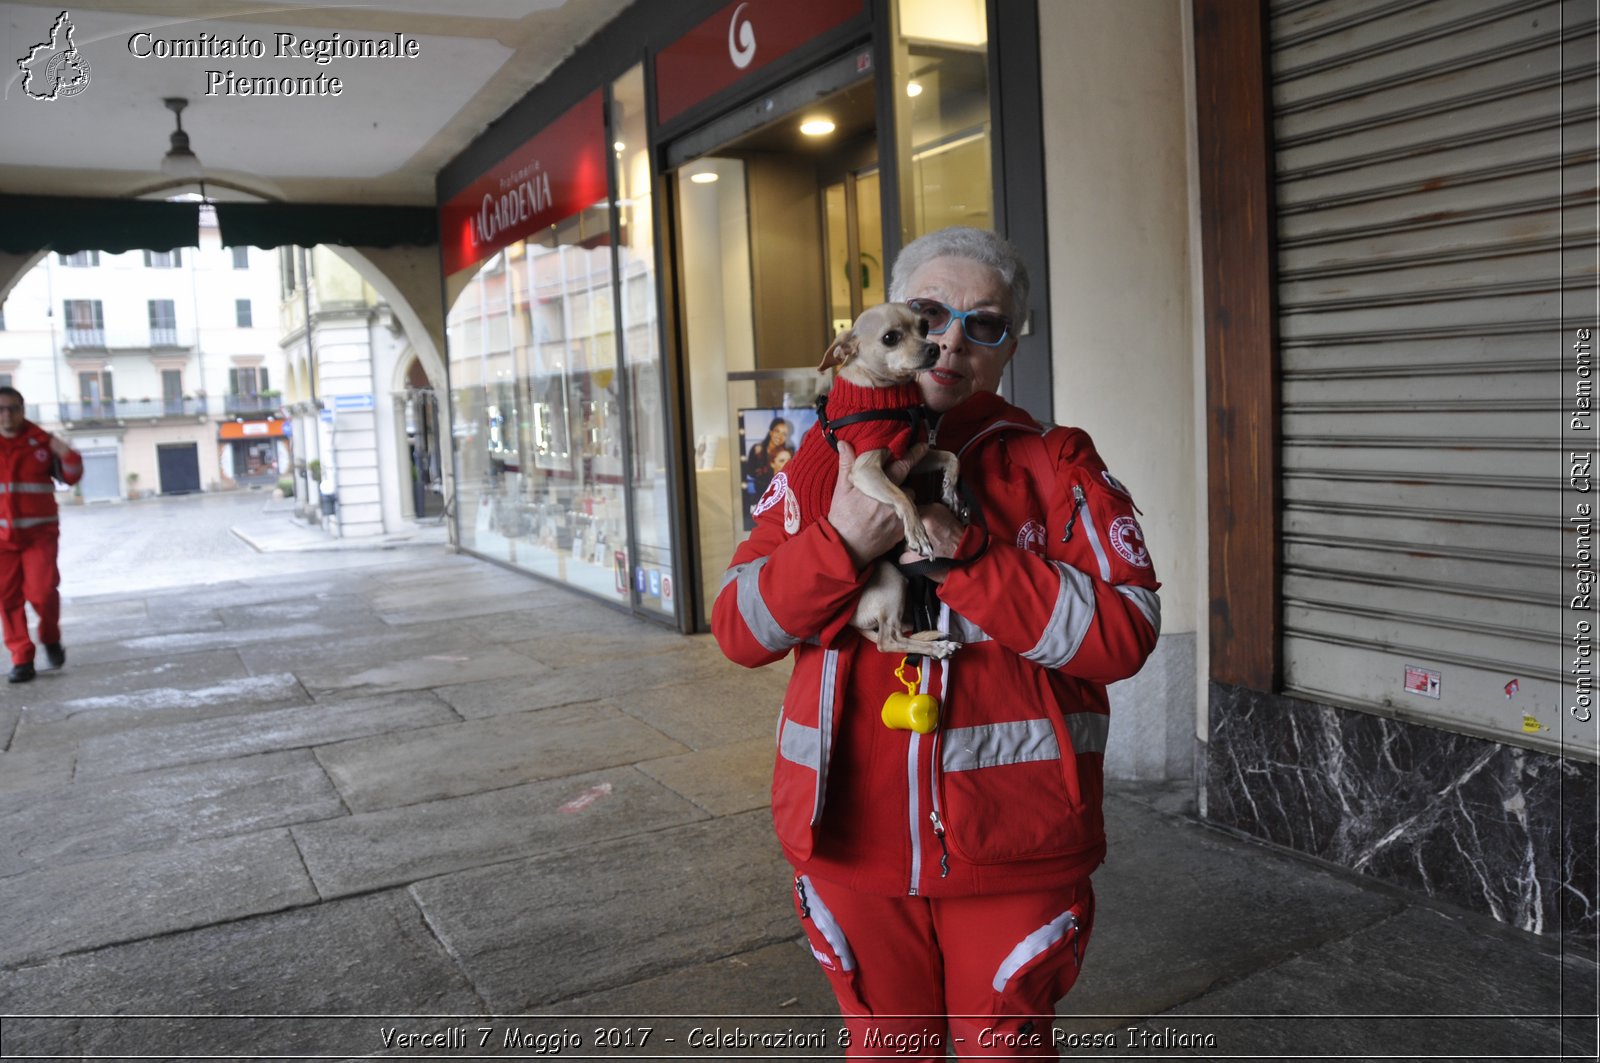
column 736, row 42
column 553, row 176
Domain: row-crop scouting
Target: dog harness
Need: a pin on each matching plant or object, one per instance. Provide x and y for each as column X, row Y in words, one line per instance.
column 866, row 418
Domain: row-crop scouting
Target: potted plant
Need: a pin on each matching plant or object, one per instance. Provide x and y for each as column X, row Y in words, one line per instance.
column 133, row 485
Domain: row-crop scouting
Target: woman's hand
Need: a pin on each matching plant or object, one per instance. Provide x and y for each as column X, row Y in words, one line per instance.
column 867, row 526
column 944, row 530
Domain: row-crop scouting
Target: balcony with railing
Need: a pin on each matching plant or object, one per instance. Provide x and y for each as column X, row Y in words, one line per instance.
column 130, row 410
column 130, row 339
column 251, row 405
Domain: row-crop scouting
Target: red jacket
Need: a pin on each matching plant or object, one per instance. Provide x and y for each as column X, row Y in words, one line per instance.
column 1005, row 795
column 28, row 469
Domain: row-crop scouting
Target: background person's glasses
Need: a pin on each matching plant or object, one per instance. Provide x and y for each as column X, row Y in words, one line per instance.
column 983, row 327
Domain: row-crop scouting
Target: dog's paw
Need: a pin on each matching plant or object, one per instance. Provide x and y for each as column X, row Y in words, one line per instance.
column 917, row 541
column 949, row 496
column 934, row 643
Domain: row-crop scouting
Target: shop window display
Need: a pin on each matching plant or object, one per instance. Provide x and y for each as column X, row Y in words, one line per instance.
column 537, row 409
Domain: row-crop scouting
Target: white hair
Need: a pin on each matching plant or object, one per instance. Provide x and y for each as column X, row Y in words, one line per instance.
column 978, row 245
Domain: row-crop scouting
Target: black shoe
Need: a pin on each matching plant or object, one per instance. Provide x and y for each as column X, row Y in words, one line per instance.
column 21, row 673
column 55, row 653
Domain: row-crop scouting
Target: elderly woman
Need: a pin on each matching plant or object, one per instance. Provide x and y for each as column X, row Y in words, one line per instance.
column 942, row 876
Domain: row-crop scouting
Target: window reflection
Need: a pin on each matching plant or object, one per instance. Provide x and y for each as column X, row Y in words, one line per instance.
column 942, row 107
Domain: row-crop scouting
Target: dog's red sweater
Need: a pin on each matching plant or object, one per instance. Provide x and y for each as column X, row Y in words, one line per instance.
column 812, row 472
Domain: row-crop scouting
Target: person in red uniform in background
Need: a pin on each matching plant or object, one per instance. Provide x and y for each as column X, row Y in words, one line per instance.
column 31, row 459
column 942, row 877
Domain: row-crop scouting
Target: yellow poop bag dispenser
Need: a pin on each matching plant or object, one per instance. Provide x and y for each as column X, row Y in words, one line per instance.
column 911, row 711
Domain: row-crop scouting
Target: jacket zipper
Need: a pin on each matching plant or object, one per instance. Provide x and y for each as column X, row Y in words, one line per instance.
column 943, row 624
column 1078, row 502
column 944, row 850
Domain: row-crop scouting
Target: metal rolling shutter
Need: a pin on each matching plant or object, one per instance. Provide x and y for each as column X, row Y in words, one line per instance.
column 1435, row 229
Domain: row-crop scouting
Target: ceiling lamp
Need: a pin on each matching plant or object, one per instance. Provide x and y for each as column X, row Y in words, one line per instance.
column 704, row 177
column 179, row 161
column 817, row 127
column 913, row 88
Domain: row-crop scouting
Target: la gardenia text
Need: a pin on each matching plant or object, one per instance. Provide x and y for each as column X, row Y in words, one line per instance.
column 282, row 45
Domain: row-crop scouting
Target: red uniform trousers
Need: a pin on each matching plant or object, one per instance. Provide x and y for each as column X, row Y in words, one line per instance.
column 980, row 975
column 28, row 574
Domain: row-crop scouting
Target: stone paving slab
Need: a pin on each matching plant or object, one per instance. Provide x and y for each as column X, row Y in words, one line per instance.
column 724, row 780
column 178, row 643
column 549, row 618
column 480, row 755
column 84, row 678
column 74, row 719
column 1180, row 909
column 627, row 637
column 22, row 771
column 726, row 706
column 526, row 932
column 391, row 847
column 346, row 614
column 88, row 623
column 782, row 979
column 149, row 748
column 57, row 910
column 466, row 596
column 624, row 683
column 354, row 651
column 438, row 667
column 75, row 824
column 369, row 955
column 1418, row 962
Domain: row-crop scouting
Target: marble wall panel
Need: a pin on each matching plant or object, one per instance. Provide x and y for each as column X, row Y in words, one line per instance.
column 1492, row 828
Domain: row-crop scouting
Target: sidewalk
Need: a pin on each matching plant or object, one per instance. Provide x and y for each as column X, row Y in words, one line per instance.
column 279, row 531
column 382, row 808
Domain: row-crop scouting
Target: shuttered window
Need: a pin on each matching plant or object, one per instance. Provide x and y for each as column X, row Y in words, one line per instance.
column 1435, row 239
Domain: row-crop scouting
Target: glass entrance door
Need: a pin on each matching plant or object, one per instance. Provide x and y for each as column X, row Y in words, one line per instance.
column 779, row 238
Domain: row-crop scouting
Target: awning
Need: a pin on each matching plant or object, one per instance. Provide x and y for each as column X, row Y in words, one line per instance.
column 269, row 225
column 66, row 224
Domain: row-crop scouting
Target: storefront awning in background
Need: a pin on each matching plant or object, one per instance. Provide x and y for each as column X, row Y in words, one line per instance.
column 268, row 429
column 67, row 224
column 269, row 225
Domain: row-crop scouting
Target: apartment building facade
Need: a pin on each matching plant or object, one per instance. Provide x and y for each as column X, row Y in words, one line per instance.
column 162, row 368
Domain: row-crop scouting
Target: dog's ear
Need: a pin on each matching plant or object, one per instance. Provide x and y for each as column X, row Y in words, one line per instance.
column 843, row 349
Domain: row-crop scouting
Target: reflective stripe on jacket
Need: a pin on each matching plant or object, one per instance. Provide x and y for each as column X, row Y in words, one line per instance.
column 1005, row 795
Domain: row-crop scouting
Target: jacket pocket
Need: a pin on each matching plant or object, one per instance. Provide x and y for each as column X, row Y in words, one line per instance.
column 1009, row 789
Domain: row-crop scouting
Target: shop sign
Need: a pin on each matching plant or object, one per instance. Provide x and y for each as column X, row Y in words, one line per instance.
column 268, row 429
column 556, row 174
column 737, row 41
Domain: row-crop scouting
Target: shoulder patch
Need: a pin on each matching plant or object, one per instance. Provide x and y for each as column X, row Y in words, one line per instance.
column 1127, row 539
column 1031, row 537
column 773, row 494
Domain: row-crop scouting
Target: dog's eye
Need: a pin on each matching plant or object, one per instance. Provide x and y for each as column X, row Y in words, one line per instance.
column 892, row 338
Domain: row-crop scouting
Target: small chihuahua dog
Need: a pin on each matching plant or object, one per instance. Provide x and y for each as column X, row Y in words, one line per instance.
column 886, row 347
